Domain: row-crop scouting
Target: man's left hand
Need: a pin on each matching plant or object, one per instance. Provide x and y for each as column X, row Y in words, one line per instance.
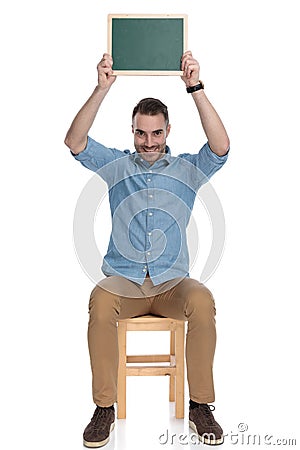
column 190, row 68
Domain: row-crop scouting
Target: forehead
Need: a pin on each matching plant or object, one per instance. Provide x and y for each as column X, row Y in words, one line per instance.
column 149, row 123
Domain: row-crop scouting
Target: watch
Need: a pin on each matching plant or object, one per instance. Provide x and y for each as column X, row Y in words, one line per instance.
column 192, row 89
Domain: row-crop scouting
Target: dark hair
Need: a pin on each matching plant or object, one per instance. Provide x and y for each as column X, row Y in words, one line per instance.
column 151, row 107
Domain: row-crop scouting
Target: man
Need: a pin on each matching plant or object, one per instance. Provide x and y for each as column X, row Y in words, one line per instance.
column 146, row 265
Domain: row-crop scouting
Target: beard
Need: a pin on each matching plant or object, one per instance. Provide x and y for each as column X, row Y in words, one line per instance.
column 151, row 154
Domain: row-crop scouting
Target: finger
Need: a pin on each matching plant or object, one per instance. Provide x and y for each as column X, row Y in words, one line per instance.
column 189, row 58
column 187, row 53
column 185, row 56
column 187, row 61
column 103, row 64
column 106, row 70
column 107, row 56
column 190, row 69
column 106, row 60
column 190, row 65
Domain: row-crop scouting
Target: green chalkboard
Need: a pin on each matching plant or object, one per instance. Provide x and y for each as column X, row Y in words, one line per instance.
column 147, row 44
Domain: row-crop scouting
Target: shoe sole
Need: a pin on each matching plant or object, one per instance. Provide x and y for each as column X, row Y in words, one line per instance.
column 100, row 443
column 204, row 440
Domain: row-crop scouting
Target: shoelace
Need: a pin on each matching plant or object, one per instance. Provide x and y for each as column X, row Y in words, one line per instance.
column 207, row 411
column 99, row 415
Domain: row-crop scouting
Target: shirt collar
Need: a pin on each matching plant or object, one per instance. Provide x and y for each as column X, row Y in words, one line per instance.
column 165, row 159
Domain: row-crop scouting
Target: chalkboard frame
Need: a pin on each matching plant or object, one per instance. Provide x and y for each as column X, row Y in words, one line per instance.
column 110, row 19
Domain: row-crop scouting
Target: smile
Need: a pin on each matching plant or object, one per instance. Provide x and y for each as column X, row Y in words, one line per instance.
column 150, row 150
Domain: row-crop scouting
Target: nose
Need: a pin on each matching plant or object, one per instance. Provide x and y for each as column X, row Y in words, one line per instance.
column 148, row 140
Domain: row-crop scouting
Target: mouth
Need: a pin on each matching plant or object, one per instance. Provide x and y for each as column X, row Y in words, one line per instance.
column 150, row 150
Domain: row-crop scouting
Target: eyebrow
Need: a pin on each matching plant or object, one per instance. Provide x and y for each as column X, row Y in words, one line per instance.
column 154, row 131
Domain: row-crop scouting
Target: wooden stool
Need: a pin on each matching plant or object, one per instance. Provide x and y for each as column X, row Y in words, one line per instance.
column 175, row 368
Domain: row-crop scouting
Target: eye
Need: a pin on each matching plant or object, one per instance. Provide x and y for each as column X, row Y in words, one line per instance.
column 139, row 132
column 158, row 132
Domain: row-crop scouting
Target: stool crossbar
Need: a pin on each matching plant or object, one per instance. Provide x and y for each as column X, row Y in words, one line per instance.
column 175, row 359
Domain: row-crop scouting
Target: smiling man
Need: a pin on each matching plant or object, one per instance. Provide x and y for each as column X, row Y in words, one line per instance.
column 146, row 267
column 150, row 126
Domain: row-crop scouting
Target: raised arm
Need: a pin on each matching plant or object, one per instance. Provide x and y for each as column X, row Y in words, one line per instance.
column 212, row 125
column 76, row 138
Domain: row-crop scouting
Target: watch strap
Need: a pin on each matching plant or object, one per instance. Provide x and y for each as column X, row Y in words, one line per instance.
column 197, row 87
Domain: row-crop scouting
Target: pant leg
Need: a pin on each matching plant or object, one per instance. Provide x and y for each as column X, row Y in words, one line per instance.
column 190, row 300
column 106, row 306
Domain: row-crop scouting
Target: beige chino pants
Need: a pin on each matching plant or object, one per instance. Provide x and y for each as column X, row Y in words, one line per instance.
column 187, row 299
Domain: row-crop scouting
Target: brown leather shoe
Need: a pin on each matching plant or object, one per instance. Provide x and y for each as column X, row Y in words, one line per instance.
column 98, row 431
column 202, row 421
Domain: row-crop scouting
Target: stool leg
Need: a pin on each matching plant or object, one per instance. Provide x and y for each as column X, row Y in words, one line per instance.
column 172, row 377
column 121, row 414
column 179, row 352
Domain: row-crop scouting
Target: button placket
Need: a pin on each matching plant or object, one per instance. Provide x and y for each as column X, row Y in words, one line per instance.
column 149, row 226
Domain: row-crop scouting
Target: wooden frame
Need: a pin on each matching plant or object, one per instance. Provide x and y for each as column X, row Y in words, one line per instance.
column 175, row 359
column 110, row 18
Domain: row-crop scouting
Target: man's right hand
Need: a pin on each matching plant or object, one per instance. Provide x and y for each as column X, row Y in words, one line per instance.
column 105, row 72
column 76, row 138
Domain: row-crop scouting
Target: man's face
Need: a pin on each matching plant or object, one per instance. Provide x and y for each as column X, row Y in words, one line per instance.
column 150, row 134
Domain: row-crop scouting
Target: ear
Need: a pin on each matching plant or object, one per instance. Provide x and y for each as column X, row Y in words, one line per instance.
column 132, row 129
column 168, row 130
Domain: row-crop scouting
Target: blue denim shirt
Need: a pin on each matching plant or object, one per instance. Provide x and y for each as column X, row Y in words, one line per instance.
column 151, row 207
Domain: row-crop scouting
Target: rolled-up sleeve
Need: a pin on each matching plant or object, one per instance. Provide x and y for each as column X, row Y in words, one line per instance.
column 96, row 155
column 206, row 161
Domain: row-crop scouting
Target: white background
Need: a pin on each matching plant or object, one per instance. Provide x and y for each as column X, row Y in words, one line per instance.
column 248, row 52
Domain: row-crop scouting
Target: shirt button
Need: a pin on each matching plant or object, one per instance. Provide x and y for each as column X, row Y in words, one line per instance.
column 149, row 234
column 148, row 253
column 144, row 270
column 150, row 214
column 148, row 179
column 150, row 171
column 150, row 196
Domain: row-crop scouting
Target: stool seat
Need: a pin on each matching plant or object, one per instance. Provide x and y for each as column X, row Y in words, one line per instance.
column 175, row 359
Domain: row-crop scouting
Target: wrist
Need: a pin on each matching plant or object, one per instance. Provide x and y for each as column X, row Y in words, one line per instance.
column 99, row 89
column 100, row 92
column 191, row 88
